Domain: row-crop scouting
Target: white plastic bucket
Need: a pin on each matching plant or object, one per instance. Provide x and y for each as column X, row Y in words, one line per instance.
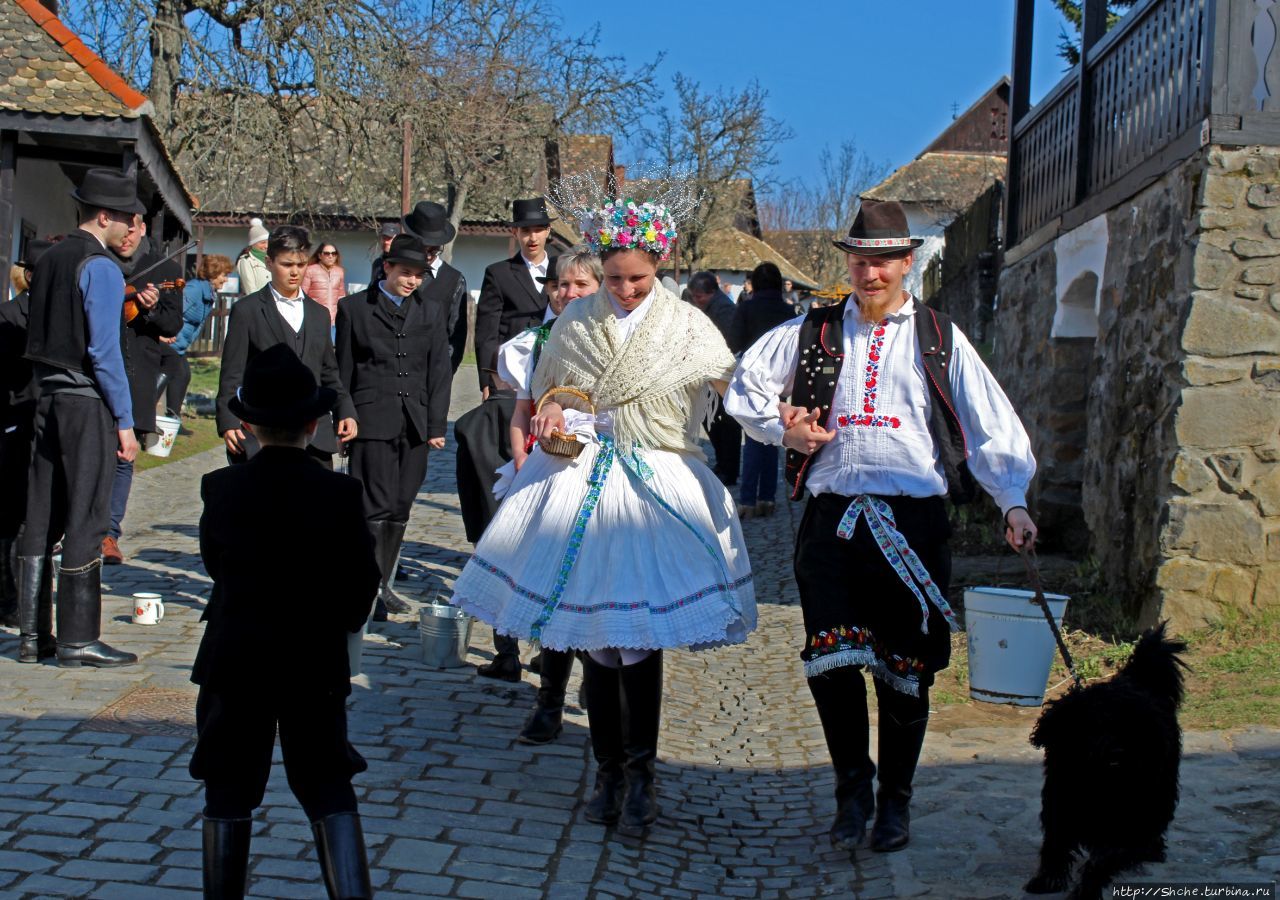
column 166, row 433
column 355, row 649
column 1011, row 646
column 446, row 634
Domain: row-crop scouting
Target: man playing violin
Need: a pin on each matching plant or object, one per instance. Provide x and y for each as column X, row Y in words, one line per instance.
column 84, row 422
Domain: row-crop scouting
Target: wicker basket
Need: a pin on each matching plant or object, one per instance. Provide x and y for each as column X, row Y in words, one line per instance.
column 559, row 443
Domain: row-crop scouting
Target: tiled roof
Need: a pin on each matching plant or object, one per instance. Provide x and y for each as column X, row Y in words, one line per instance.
column 953, row 180
column 732, row 250
column 44, row 68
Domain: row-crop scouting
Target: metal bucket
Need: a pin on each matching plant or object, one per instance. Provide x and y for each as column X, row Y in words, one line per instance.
column 446, row 634
column 355, row 649
column 1011, row 646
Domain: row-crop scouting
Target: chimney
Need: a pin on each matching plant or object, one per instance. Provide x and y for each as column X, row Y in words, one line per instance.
column 620, row 176
column 51, row 5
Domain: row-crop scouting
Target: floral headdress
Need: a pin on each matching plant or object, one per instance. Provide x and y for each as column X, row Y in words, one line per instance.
column 627, row 224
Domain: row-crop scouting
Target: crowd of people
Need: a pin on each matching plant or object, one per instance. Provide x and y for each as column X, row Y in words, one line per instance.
column 601, row 533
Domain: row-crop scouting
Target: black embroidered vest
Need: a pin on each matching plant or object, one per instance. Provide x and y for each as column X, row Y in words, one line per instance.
column 818, row 371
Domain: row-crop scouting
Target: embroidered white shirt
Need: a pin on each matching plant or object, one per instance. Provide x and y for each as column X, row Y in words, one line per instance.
column 290, row 308
column 514, row 359
column 880, row 411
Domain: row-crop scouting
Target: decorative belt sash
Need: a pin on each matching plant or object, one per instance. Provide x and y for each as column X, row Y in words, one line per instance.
column 884, row 528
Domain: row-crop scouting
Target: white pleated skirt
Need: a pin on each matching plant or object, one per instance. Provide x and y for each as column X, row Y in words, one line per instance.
column 642, row 551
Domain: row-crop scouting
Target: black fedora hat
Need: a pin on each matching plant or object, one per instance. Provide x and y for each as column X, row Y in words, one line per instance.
column 879, row 229
column 109, row 189
column 430, row 222
column 280, row 391
column 529, row 213
column 35, row 249
column 407, row 249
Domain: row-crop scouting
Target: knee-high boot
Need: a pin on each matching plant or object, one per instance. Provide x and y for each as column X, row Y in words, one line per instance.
column 35, row 609
column 387, row 537
column 80, row 621
column 226, row 857
column 903, row 722
column 841, row 698
column 604, row 715
column 547, row 720
column 343, row 859
column 642, row 688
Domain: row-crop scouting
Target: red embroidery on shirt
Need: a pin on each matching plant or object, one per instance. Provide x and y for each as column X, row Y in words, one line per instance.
column 871, row 378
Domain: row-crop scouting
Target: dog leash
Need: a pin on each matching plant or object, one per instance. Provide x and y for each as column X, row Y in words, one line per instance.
column 1028, row 555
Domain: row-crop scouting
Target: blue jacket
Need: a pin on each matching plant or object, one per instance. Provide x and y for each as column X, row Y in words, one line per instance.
column 197, row 303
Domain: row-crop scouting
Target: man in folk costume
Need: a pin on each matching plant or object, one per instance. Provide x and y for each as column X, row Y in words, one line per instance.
column 893, row 411
column 280, row 313
column 83, row 424
column 393, row 358
column 512, row 299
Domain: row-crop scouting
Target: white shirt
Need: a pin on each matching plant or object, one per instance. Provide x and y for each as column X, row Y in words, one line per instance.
column 291, row 309
column 395, row 299
column 880, row 412
column 536, row 270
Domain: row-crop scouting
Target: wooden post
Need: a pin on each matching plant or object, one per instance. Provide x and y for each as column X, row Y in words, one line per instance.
column 1019, row 103
column 1093, row 26
column 406, row 164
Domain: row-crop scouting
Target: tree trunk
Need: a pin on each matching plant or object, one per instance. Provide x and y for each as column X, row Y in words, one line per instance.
column 456, row 204
column 168, row 36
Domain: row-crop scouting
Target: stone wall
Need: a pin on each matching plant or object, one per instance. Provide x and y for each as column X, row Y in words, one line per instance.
column 1157, row 439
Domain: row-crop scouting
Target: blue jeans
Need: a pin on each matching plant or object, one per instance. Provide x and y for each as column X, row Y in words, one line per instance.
column 759, row 473
column 121, row 485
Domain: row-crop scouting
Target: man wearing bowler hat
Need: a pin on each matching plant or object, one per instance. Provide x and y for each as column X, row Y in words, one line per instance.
column 84, row 423
column 891, row 410
column 443, row 287
column 513, row 297
column 273, row 656
column 393, row 359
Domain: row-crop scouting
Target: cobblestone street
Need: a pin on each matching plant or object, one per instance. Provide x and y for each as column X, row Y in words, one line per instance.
column 95, row 799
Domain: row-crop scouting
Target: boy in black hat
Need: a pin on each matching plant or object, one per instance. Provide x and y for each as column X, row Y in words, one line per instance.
column 274, row 652
column 512, row 298
column 443, row 286
column 386, row 232
column 84, row 422
column 393, row 358
column 281, row 313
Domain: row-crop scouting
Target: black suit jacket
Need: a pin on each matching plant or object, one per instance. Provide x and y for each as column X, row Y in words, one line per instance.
column 256, row 325
column 510, row 302
column 393, row 366
column 753, row 318
column 140, row 344
column 291, row 558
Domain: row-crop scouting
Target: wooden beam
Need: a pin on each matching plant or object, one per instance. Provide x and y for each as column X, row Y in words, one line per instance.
column 8, row 205
column 1019, row 104
column 1093, row 26
column 67, row 156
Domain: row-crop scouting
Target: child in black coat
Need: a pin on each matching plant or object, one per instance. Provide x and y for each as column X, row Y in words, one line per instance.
column 274, row 652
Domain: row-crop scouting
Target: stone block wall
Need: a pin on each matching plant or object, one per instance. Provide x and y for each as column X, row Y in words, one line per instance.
column 1158, row 438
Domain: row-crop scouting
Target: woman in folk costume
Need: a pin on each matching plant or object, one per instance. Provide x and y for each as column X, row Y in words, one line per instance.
column 633, row 546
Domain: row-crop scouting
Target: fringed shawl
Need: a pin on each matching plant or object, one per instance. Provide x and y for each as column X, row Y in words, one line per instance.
column 654, row 385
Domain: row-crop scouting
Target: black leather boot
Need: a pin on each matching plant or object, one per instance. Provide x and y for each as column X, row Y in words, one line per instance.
column 547, row 720
column 841, row 698
column 226, row 857
column 80, row 621
column 642, row 690
column 903, row 721
column 505, row 664
column 387, row 537
column 8, row 585
column 35, row 609
column 604, row 715
column 343, row 860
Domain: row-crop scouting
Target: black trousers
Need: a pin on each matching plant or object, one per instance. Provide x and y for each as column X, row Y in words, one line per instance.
column 176, row 369
column 15, row 466
column 236, row 731
column 392, row 473
column 69, row 487
column 484, row 445
column 726, row 440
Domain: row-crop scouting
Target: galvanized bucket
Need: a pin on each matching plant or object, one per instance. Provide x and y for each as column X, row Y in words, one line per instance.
column 1010, row 647
column 355, row 649
column 446, row 634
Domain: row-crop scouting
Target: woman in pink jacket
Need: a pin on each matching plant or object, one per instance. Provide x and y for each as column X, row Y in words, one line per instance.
column 324, row 281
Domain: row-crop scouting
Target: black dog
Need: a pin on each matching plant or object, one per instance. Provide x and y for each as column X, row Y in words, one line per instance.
column 1111, row 754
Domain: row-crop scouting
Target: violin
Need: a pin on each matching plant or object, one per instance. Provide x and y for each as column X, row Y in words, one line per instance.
column 131, row 305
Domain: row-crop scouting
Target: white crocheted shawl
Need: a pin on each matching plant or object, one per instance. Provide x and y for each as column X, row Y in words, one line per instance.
column 655, row 384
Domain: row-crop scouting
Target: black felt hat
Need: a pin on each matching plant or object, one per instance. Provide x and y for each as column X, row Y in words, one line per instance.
column 879, row 229
column 407, row 249
column 430, row 222
column 280, row 391
column 35, row 249
column 109, row 189
column 529, row 213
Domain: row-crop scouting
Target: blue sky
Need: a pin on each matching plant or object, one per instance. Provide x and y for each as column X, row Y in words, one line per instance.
column 882, row 73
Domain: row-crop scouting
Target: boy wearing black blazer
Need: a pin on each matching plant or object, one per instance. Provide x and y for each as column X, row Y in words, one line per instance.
column 274, row 652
